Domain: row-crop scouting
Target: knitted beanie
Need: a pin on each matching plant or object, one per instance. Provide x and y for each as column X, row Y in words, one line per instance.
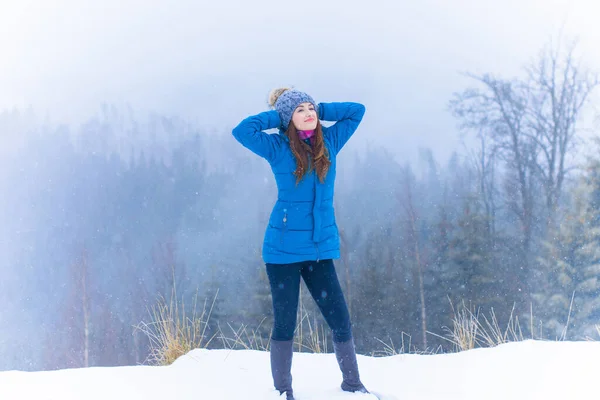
column 286, row 100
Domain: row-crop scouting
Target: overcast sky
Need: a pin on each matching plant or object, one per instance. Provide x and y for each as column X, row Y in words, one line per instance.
column 215, row 61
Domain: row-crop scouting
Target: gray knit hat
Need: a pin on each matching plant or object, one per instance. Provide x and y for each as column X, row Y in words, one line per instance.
column 286, row 100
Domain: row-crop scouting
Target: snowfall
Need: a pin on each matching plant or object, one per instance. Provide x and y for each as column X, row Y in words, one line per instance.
column 520, row 370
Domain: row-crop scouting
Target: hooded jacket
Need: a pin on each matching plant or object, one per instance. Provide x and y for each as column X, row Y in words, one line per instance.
column 302, row 224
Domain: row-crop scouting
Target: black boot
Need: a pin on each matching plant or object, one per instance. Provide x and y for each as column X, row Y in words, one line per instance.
column 281, row 366
column 346, row 358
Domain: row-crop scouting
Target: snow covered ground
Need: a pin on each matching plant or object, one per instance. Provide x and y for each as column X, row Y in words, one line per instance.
column 525, row 370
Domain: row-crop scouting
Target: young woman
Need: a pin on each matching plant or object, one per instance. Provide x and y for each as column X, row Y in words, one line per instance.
column 302, row 239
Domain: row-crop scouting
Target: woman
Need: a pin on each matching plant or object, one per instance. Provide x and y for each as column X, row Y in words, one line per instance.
column 302, row 239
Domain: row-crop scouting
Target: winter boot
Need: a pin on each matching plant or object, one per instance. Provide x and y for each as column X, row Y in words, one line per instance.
column 281, row 366
column 346, row 358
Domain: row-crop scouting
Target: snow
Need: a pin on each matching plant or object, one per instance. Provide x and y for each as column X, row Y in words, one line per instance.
column 521, row 370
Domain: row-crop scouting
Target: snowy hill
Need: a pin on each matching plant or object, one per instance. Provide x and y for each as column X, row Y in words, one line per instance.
column 524, row 370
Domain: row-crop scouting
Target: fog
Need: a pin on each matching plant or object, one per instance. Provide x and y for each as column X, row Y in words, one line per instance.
column 116, row 119
column 215, row 62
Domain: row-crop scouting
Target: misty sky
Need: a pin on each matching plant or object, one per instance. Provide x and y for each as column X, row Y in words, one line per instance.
column 215, row 61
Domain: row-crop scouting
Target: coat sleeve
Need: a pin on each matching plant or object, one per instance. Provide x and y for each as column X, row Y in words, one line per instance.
column 347, row 117
column 250, row 134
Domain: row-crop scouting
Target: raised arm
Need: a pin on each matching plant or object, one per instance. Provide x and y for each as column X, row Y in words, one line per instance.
column 250, row 134
column 347, row 116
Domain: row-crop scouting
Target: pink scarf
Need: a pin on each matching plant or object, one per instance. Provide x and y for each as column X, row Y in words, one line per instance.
column 303, row 135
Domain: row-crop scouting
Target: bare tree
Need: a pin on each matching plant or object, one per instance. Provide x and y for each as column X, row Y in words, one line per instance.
column 136, row 297
column 483, row 159
column 78, row 311
column 171, row 274
column 558, row 90
column 498, row 112
column 529, row 124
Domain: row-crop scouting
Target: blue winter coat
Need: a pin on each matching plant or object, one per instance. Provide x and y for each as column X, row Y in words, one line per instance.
column 302, row 225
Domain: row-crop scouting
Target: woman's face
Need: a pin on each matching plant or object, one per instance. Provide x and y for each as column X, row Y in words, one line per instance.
column 304, row 117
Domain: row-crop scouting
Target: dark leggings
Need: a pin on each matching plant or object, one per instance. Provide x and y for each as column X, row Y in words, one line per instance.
column 322, row 282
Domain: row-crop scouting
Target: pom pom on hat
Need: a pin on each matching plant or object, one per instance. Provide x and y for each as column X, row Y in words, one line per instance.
column 274, row 95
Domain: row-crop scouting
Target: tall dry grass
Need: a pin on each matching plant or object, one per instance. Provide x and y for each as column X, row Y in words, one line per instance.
column 172, row 332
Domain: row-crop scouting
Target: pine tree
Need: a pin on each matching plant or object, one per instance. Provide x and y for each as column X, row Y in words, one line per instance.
column 441, row 276
column 570, row 267
column 475, row 278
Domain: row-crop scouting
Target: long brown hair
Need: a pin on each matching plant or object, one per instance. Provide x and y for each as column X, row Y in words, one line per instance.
column 318, row 153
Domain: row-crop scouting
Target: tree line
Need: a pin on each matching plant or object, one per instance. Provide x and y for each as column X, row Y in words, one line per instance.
column 101, row 219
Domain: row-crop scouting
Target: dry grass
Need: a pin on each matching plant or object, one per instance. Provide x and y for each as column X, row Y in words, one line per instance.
column 465, row 328
column 493, row 335
column 406, row 347
column 315, row 340
column 172, row 333
column 244, row 338
column 470, row 329
column 310, row 334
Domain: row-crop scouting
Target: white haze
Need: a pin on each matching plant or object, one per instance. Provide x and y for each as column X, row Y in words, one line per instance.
column 214, row 62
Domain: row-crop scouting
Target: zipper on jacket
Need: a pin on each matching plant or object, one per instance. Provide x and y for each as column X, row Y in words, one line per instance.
column 284, row 224
column 316, row 186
